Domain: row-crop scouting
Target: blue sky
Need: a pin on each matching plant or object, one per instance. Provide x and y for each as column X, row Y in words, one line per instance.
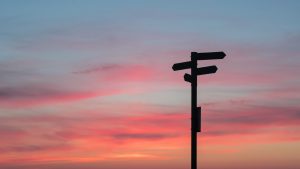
column 89, row 83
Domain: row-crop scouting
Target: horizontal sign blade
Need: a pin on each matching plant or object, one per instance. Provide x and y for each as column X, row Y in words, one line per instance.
column 207, row 70
column 182, row 65
column 208, row 55
column 187, row 78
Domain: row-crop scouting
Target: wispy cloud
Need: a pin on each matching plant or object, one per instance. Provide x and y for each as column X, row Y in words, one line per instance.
column 116, row 73
column 88, row 132
column 40, row 95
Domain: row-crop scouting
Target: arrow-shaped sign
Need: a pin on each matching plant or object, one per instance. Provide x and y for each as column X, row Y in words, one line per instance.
column 187, row 78
column 206, row 70
column 208, row 55
column 182, row 65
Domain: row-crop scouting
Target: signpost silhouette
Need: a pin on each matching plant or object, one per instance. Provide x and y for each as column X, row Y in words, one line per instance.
column 192, row 78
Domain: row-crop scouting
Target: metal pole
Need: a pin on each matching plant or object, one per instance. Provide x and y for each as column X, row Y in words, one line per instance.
column 194, row 114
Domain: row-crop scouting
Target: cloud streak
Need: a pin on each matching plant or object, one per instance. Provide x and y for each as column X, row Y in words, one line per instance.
column 36, row 95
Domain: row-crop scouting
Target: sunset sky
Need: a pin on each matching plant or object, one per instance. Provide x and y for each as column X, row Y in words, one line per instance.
column 89, row 85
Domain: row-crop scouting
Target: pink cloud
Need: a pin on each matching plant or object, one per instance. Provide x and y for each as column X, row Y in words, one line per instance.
column 102, row 135
column 121, row 132
column 36, row 95
column 120, row 73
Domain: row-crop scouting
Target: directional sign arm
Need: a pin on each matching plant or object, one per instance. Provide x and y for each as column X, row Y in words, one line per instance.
column 207, row 70
column 208, row 55
column 182, row 65
column 187, row 78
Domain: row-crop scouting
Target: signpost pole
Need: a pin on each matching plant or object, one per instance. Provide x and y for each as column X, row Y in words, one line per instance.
column 194, row 114
column 196, row 111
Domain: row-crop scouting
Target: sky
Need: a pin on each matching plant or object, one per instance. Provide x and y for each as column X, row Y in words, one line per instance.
column 88, row 84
